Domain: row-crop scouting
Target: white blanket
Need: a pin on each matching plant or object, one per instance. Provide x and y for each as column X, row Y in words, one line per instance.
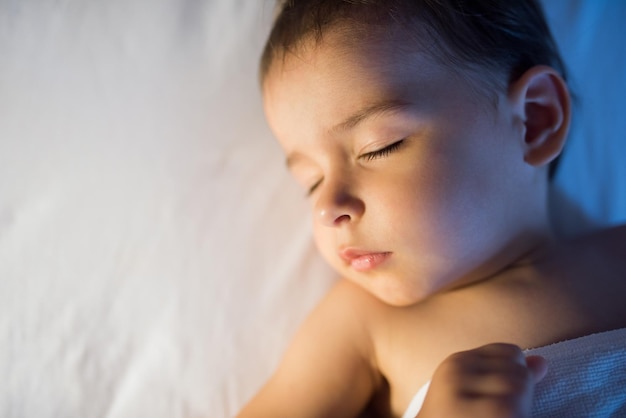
column 586, row 377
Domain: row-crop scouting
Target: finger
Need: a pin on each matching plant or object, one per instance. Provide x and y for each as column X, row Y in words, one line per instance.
column 497, row 378
column 502, row 350
column 538, row 367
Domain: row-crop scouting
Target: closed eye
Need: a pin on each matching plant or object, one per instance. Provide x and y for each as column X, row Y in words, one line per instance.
column 383, row 152
column 313, row 187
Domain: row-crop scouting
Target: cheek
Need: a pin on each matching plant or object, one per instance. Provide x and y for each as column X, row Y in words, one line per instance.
column 324, row 241
column 434, row 204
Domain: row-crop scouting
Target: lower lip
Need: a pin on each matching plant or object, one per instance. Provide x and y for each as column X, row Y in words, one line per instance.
column 368, row 261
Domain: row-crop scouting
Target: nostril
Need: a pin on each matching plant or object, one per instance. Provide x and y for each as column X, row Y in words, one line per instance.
column 334, row 217
column 337, row 207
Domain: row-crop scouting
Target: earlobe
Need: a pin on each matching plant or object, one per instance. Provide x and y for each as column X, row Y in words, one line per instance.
column 543, row 103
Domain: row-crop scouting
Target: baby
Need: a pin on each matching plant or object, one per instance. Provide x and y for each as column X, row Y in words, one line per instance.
column 424, row 133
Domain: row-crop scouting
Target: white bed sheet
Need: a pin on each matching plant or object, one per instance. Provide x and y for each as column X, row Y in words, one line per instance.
column 155, row 258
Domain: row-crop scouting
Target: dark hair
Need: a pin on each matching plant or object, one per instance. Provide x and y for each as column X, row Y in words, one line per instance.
column 503, row 37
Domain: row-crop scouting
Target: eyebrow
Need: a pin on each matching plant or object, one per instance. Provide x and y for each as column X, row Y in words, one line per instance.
column 367, row 112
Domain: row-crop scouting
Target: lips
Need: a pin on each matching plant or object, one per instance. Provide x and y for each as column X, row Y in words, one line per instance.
column 363, row 260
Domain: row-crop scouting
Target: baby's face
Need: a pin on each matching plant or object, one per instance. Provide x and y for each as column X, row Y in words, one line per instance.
column 413, row 178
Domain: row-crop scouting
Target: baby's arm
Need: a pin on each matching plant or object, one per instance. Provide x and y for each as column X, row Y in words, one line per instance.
column 495, row 380
column 327, row 371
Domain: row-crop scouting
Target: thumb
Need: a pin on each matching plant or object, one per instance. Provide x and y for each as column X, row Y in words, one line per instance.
column 538, row 367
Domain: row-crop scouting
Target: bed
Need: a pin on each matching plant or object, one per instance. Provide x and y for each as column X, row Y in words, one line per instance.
column 155, row 257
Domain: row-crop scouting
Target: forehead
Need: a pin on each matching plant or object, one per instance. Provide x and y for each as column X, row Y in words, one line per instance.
column 355, row 50
column 321, row 83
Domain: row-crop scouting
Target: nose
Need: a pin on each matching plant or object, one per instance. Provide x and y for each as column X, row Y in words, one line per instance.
column 336, row 205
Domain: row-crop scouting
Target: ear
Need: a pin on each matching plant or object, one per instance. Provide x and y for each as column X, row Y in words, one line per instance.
column 541, row 100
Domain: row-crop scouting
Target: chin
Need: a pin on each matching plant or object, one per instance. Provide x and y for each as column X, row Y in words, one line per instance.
column 396, row 295
column 387, row 287
column 398, row 301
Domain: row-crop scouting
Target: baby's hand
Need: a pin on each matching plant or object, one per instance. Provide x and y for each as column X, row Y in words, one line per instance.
column 494, row 380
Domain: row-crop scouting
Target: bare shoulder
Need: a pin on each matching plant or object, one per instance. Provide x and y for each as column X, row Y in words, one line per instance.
column 613, row 241
column 329, row 368
column 353, row 315
column 608, row 244
column 596, row 271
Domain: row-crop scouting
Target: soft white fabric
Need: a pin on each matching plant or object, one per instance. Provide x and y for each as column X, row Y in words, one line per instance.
column 152, row 246
column 155, row 258
column 586, row 378
column 416, row 403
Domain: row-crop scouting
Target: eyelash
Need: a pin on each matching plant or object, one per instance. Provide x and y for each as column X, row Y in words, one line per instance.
column 312, row 188
column 374, row 155
column 384, row 152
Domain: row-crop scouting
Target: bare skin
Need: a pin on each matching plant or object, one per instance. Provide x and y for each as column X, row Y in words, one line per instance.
column 555, row 292
column 434, row 212
column 392, row 352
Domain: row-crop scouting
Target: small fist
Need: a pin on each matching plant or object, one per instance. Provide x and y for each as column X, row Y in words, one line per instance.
column 494, row 380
